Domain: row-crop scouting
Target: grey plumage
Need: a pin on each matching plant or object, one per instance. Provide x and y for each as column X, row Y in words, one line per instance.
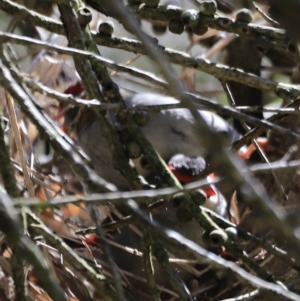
column 171, row 132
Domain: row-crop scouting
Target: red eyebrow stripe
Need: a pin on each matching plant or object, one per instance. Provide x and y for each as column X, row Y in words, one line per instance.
column 186, row 178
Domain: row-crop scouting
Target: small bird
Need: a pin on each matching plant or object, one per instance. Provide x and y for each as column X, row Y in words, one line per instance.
column 174, row 135
column 171, row 132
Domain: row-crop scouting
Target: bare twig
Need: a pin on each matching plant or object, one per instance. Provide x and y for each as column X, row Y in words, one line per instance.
column 17, row 138
column 196, row 250
column 264, row 15
column 98, row 280
column 57, row 137
column 10, row 226
column 107, row 252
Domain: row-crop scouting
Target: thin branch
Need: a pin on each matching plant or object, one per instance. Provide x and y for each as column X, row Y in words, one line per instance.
column 17, row 138
column 165, row 13
column 18, row 263
column 265, row 16
column 251, row 239
column 162, row 257
column 258, row 148
column 70, row 99
column 264, row 36
column 148, row 265
column 255, row 132
column 268, row 110
column 37, row 19
column 148, row 196
column 9, row 225
column 179, row 241
column 219, row 71
column 168, row 13
column 79, row 37
column 57, row 138
column 112, row 94
column 107, row 251
column 99, row 281
column 117, row 198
